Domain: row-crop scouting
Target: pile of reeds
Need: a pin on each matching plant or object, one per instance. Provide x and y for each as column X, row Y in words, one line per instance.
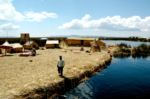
column 125, row 50
column 142, row 50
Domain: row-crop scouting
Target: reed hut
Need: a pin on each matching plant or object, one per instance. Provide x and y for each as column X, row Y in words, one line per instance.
column 52, row 44
column 25, row 37
column 17, row 48
column 97, row 45
column 94, row 46
column 6, row 47
column 43, row 41
column 63, row 44
column 101, row 44
column 30, row 44
column 79, row 41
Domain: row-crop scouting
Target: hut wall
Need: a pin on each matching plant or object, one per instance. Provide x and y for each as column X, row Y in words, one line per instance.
column 7, row 50
column 2, row 51
column 29, row 47
column 74, row 42
column 87, row 42
column 51, row 45
column 17, row 50
column 63, row 44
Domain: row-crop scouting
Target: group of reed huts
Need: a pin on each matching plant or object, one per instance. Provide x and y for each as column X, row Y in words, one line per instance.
column 95, row 44
column 17, row 47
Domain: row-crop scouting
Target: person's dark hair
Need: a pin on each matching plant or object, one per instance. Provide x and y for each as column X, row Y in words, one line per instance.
column 60, row 57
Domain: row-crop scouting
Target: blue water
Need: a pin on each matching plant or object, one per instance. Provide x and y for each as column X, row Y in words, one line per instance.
column 125, row 78
column 131, row 43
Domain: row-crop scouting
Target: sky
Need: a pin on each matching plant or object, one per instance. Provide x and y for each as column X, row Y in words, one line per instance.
column 111, row 18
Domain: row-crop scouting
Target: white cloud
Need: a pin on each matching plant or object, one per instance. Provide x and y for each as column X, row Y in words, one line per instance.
column 8, row 27
column 38, row 17
column 115, row 23
column 9, row 13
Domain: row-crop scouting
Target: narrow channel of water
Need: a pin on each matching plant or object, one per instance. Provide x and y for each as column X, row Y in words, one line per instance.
column 125, row 78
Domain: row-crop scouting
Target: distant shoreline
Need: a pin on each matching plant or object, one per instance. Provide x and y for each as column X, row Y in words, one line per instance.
column 136, row 39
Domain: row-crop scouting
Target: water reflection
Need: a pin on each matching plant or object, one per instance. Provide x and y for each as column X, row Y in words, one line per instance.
column 83, row 91
column 123, row 79
column 133, row 56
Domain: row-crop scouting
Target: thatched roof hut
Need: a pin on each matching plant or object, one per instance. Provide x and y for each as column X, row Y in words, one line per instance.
column 63, row 44
column 94, row 46
column 52, row 44
column 72, row 41
column 31, row 44
column 101, row 44
column 97, row 45
column 17, row 47
column 6, row 46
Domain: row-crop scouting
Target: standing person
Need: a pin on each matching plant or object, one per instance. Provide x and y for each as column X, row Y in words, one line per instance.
column 60, row 66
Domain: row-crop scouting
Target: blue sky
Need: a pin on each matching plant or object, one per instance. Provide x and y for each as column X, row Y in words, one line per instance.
column 75, row 17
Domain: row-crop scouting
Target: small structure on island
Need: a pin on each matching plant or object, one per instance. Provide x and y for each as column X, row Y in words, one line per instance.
column 79, row 41
column 63, row 44
column 52, row 44
column 30, row 44
column 101, row 44
column 42, row 41
column 94, row 47
column 25, row 37
column 17, row 47
column 6, row 47
column 97, row 45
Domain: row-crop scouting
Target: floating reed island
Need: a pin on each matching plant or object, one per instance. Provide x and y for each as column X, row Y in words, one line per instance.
column 37, row 78
column 124, row 50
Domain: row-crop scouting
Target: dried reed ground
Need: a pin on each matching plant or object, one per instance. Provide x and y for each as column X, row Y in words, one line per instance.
column 22, row 74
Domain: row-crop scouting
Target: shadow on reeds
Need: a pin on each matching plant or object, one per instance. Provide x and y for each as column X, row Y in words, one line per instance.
column 53, row 91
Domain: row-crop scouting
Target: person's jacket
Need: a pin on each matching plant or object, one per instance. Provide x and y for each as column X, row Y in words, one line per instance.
column 61, row 63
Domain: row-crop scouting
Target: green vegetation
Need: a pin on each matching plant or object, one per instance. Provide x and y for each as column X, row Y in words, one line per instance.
column 123, row 45
column 127, row 38
column 142, row 50
column 125, row 50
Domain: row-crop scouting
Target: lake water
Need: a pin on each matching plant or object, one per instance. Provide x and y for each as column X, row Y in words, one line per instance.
column 124, row 78
column 132, row 43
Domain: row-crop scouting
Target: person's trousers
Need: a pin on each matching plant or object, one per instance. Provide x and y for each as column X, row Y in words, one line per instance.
column 60, row 70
